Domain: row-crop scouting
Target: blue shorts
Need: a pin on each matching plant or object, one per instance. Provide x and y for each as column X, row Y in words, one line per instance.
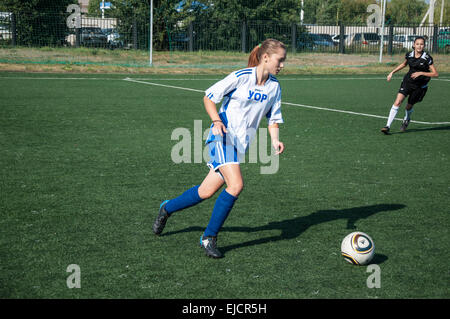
column 221, row 153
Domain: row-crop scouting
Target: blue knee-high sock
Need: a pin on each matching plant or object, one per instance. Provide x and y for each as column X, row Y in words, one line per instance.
column 187, row 199
column 222, row 208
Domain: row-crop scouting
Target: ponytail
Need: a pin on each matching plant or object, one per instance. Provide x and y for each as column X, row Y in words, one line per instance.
column 267, row 46
column 253, row 59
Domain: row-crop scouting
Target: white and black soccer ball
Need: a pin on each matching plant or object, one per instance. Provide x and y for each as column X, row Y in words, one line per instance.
column 358, row 248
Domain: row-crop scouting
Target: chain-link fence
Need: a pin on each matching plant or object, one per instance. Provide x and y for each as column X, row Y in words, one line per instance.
column 66, row 30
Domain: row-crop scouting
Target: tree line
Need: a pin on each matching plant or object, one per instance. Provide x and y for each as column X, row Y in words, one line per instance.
column 284, row 11
column 49, row 16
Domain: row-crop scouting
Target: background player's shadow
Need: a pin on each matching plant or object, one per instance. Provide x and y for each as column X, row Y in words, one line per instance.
column 294, row 227
column 418, row 130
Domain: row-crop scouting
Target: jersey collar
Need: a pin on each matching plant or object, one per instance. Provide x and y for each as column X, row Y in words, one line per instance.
column 423, row 56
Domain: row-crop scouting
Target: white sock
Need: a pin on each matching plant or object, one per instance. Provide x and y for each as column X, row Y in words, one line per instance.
column 392, row 114
column 408, row 114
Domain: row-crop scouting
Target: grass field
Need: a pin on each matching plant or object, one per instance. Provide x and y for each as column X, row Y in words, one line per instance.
column 85, row 161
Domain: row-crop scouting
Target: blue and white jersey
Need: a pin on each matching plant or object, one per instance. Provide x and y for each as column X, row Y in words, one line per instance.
column 245, row 104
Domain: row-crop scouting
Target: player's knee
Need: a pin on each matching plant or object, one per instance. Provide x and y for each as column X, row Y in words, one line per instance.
column 205, row 193
column 236, row 188
column 398, row 101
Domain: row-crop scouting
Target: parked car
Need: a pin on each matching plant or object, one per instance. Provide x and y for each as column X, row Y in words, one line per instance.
column 114, row 40
column 5, row 34
column 364, row 38
column 314, row 41
column 404, row 40
column 93, row 36
column 444, row 39
column 89, row 36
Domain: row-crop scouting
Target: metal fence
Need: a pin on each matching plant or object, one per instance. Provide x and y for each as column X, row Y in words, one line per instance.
column 244, row 35
column 53, row 30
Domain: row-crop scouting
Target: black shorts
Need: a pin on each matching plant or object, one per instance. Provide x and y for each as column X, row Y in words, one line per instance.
column 416, row 93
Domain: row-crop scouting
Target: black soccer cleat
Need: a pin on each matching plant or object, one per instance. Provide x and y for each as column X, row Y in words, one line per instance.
column 161, row 219
column 209, row 244
column 404, row 125
column 385, row 130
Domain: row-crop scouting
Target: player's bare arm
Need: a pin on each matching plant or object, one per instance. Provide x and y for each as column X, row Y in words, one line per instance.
column 432, row 74
column 398, row 68
column 218, row 128
column 274, row 132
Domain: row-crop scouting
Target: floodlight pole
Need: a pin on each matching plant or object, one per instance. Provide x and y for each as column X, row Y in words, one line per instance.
column 151, row 34
column 383, row 13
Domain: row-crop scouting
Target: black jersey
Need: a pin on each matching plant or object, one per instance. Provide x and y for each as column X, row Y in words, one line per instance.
column 421, row 64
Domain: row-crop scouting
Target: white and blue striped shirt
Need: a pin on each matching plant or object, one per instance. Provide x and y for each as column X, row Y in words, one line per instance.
column 245, row 104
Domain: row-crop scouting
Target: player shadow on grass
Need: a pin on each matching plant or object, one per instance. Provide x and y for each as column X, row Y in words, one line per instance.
column 418, row 130
column 294, row 227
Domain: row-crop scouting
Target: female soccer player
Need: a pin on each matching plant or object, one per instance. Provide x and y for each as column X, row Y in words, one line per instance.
column 248, row 95
column 414, row 84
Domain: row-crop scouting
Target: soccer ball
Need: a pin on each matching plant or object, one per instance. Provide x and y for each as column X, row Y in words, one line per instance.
column 358, row 248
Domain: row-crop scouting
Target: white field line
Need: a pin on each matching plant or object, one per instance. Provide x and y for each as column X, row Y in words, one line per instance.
column 361, row 114
column 141, row 81
column 190, row 79
column 163, row 85
column 293, row 104
column 55, row 78
column 284, row 79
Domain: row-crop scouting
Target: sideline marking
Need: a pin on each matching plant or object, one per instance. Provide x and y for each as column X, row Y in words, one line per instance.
column 192, row 79
column 164, row 85
column 53, row 78
column 293, row 104
column 141, row 81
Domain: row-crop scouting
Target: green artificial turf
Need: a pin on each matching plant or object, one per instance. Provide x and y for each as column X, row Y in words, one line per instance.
column 85, row 161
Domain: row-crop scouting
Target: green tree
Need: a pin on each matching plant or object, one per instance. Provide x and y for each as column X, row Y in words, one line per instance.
column 408, row 12
column 285, row 11
column 261, row 19
column 327, row 12
column 354, row 11
column 39, row 22
column 95, row 11
column 135, row 14
column 216, row 22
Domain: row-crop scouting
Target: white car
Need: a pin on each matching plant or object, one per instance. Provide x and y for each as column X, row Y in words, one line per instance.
column 114, row 38
column 404, row 40
column 364, row 38
column 5, row 34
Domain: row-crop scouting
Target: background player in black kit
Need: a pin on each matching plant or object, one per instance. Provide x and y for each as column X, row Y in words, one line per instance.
column 414, row 84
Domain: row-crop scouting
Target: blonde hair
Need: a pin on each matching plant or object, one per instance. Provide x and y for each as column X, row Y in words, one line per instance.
column 268, row 46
